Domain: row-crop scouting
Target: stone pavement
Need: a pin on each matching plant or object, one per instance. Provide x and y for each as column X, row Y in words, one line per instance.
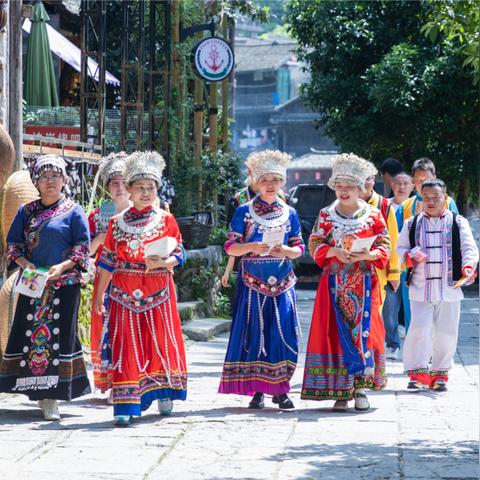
column 210, row 436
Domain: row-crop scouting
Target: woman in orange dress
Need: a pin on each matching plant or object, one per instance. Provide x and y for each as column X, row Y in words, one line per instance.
column 148, row 356
column 111, row 173
column 345, row 352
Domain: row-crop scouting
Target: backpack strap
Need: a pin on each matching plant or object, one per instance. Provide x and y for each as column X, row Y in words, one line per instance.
column 411, row 236
column 413, row 229
column 456, row 250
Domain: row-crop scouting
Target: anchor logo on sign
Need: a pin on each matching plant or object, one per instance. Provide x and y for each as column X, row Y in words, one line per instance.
column 214, row 57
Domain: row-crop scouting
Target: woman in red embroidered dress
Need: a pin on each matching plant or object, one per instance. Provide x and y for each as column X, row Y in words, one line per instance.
column 148, row 357
column 111, row 173
column 345, row 352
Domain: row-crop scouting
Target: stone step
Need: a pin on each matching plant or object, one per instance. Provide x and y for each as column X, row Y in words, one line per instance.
column 191, row 310
column 202, row 329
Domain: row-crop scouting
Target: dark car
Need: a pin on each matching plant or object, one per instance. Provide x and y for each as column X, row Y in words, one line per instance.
column 308, row 200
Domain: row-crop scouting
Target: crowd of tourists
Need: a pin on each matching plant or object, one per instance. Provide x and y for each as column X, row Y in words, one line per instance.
column 383, row 260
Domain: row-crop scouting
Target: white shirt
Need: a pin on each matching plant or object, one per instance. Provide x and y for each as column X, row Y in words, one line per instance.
column 429, row 282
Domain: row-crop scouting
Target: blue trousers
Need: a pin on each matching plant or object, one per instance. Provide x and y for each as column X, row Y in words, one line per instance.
column 390, row 311
column 406, row 301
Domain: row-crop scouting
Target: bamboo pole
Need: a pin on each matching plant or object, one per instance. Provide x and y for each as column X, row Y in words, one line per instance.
column 198, row 130
column 224, row 122
column 175, row 89
column 213, row 118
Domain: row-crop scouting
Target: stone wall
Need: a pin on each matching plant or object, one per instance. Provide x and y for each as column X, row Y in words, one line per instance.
column 199, row 278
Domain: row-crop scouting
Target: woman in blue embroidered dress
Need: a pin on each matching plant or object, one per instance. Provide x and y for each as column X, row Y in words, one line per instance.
column 262, row 351
column 44, row 358
column 148, row 355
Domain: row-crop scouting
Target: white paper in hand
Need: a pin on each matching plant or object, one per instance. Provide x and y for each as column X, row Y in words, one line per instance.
column 162, row 247
column 272, row 238
column 362, row 244
column 32, row 283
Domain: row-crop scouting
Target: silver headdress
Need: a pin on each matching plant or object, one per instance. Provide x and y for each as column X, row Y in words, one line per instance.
column 45, row 163
column 149, row 165
column 351, row 169
column 111, row 166
column 268, row 162
column 370, row 168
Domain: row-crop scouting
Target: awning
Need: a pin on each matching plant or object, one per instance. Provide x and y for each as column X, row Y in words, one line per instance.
column 69, row 53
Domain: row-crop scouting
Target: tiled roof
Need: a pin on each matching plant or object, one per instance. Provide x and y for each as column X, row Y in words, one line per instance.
column 256, row 54
column 314, row 160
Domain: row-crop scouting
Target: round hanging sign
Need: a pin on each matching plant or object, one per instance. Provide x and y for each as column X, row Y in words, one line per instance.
column 213, row 58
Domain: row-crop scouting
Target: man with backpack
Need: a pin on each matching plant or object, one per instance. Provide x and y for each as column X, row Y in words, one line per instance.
column 438, row 247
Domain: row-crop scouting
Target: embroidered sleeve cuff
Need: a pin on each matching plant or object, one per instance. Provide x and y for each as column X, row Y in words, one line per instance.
column 233, row 237
column 107, row 260
column 296, row 242
column 15, row 250
column 105, row 266
column 81, row 256
column 320, row 254
column 180, row 254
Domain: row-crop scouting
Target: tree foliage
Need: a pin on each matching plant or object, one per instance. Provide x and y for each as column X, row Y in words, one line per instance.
column 384, row 89
column 457, row 22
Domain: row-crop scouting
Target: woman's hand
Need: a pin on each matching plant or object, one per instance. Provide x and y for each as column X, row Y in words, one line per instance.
column 367, row 255
column 258, row 248
column 23, row 263
column 225, row 280
column 98, row 306
column 284, row 251
column 154, row 262
column 56, row 271
column 340, row 254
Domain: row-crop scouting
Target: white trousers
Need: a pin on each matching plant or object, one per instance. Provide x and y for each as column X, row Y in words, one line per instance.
column 433, row 333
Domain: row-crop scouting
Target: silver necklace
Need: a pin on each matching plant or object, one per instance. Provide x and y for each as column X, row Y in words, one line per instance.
column 124, row 227
column 342, row 225
column 274, row 222
column 136, row 243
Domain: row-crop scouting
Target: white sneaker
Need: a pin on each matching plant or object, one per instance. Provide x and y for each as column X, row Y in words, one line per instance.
column 165, row 406
column 50, row 409
column 393, row 353
column 361, row 402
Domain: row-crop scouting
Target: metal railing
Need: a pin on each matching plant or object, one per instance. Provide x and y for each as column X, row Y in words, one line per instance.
column 70, row 117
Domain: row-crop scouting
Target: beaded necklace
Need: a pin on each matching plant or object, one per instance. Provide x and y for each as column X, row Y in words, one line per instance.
column 136, row 235
column 343, row 225
column 272, row 223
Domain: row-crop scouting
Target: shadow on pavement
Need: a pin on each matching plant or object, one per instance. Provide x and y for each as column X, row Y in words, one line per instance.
column 417, row 459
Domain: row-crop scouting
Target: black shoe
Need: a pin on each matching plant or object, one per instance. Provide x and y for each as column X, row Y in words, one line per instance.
column 257, row 401
column 439, row 386
column 414, row 385
column 283, row 402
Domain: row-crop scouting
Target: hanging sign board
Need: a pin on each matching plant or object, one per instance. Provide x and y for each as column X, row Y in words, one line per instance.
column 213, row 59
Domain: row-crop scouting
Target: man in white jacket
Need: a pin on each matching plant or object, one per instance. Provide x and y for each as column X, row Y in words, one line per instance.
column 440, row 251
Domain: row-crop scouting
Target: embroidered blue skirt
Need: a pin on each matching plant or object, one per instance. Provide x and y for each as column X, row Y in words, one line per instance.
column 263, row 345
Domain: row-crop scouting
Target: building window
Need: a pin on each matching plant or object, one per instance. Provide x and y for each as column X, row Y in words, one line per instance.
column 258, row 76
column 297, row 176
column 317, row 176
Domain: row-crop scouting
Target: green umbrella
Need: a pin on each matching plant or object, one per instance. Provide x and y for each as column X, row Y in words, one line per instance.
column 40, row 85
